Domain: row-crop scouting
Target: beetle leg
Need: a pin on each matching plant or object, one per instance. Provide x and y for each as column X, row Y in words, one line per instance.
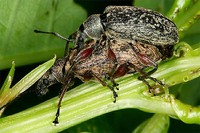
column 114, row 83
column 145, row 76
column 112, row 57
column 122, row 70
column 71, row 37
column 156, row 80
column 148, row 85
column 146, row 61
column 68, row 50
column 64, row 89
column 106, row 85
column 112, row 80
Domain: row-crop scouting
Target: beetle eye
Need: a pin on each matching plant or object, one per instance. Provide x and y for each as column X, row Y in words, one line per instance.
column 45, row 82
column 81, row 28
column 103, row 19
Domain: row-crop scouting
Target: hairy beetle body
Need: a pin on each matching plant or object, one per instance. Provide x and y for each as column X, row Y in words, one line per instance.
column 120, row 41
column 128, row 23
column 102, row 66
column 139, row 24
column 110, row 60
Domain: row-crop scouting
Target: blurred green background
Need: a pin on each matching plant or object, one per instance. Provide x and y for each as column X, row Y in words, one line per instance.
column 18, row 42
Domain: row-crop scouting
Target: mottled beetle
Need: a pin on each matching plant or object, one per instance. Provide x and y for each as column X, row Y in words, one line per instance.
column 122, row 40
column 105, row 62
column 129, row 23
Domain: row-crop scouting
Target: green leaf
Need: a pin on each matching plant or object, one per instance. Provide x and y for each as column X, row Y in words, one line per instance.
column 158, row 123
column 6, row 86
column 25, row 83
column 20, row 18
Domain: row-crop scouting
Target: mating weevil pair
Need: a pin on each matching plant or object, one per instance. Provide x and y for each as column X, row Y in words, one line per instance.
column 122, row 40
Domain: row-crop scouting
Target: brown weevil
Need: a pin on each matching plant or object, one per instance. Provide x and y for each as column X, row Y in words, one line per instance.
column 129, row 23
column 126, row 23
column 110, row 60
column 122, row 40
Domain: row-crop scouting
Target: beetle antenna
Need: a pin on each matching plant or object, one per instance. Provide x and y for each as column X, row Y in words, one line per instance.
column 55, row 34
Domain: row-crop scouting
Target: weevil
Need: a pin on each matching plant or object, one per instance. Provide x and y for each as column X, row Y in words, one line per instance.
column 119, row 41
column 129, row 23
column 103, row 60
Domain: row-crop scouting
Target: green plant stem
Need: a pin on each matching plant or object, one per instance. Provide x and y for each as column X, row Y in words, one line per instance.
column 177, row 8
column 184, row 13
column 90, row 100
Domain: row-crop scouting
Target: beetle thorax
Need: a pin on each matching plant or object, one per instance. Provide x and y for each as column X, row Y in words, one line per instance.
column 93, row 27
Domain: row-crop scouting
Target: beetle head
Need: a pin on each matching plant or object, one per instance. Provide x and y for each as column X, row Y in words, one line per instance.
column 52, row 76
column 91, row 28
